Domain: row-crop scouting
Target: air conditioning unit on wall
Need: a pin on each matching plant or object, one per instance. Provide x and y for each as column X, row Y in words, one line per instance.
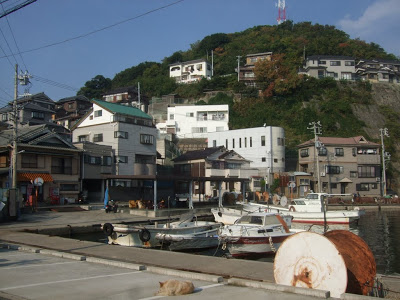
column 378, row 179
column 323, row 174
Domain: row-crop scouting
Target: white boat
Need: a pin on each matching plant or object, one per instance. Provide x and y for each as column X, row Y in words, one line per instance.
column 144, row 236
column 310, row 210
column 228, row 216
column 255, row 234
column 189, row 241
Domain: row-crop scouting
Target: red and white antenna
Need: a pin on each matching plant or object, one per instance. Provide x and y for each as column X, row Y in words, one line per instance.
column 281, row 11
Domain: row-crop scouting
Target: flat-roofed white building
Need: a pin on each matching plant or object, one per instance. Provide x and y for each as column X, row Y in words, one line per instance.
column 263, row 146
column 190, row 71
column 195, row 121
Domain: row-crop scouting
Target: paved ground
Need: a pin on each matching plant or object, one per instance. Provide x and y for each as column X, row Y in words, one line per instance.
column 171, row 264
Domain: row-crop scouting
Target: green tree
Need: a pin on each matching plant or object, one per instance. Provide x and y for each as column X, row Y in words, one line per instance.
column 96, row 87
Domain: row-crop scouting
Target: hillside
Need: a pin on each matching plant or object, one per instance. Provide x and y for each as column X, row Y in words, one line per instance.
column 287, row 100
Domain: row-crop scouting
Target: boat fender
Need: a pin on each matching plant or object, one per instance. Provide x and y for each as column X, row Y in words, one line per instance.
column 144, row 235
column 108, row 229
column 292, row 208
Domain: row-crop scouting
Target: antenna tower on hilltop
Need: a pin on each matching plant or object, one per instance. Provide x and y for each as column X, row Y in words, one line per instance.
column 281, row 11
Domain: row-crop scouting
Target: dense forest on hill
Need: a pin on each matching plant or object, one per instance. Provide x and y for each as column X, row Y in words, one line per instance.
column 286, row 99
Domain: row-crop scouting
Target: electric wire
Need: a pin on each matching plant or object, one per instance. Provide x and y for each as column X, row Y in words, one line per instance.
column 98, row 30
column 54, row 83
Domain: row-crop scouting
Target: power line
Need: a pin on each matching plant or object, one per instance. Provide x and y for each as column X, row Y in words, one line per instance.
column 17, row 7
column 54, row 83
column 98, row 30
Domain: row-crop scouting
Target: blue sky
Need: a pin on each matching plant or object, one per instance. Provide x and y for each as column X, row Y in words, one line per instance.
column 154, row 33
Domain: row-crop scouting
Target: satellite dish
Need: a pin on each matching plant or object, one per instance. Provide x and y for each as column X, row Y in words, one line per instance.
column 284, row 201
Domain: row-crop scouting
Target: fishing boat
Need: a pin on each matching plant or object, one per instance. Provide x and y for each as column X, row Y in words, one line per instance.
column 255, row 234
column 190, row 241
column 228, row 216
column 144, row 236
column 311, row 210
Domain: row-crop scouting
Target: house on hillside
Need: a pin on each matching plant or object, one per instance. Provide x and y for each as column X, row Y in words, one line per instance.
column 128, row 96
column 379, row 70
column 42, row 153
column 211, row 172
column 69, row 110
column 131, row 134
column 264, row 147
column 195, row 121
column 346, row 165
column 246, row 73
column 337, row 67
column 190, row 71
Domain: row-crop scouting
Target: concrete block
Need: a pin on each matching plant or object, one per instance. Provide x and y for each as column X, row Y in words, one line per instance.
column 280, row 288
column 115, row 263
column 63, row 254
column 185, row 274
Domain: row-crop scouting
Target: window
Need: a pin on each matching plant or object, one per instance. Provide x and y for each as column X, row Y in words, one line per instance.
column 29, row 161
column 349, row 63
column 263, row 159
column 121, row 134
column 123, row 183
column 251, row 142
column 175, row 69
column 106, row 161
column 171, row 116
column 68, row 187
column 333, row 169
column 353, row 174
column 37, row 115
column 362, row 187
column 4, row 117
column 199, row 129
column 214, row 143
column 339, row 152
column 71, row 105
column 304, row 152
column 304, row 181
column 94, row 160
column 220, row 128
column 347, row 76
column 146, row 139
column 98, row 113
column 233, row 143
column 240, row 142
column 144, row 159
column 189, row 114
column 226, row 143
column 281, row 142
column 245, row 142
column 98, row 137
column 275, row 160
column 368, row 171
column 263, row 140
column 83, row 138
column 4, row 162
column 322, row 151
column 374, row 186
column 121, row 159
column 335, row 63
column 60, row 165
column 322, row 62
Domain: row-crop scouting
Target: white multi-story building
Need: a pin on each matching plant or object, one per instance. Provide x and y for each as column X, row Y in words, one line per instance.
column 190, row 71
column 337, row 67
column 195, row 121
column 263, row 146
column 131, row 134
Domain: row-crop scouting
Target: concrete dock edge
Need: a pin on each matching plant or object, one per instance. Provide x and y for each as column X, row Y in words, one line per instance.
column 185, row 274
column 279, row 288
column 115, row 263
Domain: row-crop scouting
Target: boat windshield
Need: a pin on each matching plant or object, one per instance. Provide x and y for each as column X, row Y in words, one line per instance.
column 258, row 220
column 312, row 196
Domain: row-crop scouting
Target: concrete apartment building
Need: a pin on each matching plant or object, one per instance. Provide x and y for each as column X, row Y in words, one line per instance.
column 131, row 134
column 195, row 121
column 346, row 165
column 190, row 71
column 264, row 147
column 337, row 67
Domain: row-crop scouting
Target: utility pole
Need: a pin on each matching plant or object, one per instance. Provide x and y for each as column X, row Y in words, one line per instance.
column 238, row 68
column 316, row 128
column 384, row 132
column 15, row 150
column 138, row 84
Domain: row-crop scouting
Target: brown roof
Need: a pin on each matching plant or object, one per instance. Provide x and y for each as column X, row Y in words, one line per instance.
column 356, row 141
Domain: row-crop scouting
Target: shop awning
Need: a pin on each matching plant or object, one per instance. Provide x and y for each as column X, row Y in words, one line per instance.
column 32, row 176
